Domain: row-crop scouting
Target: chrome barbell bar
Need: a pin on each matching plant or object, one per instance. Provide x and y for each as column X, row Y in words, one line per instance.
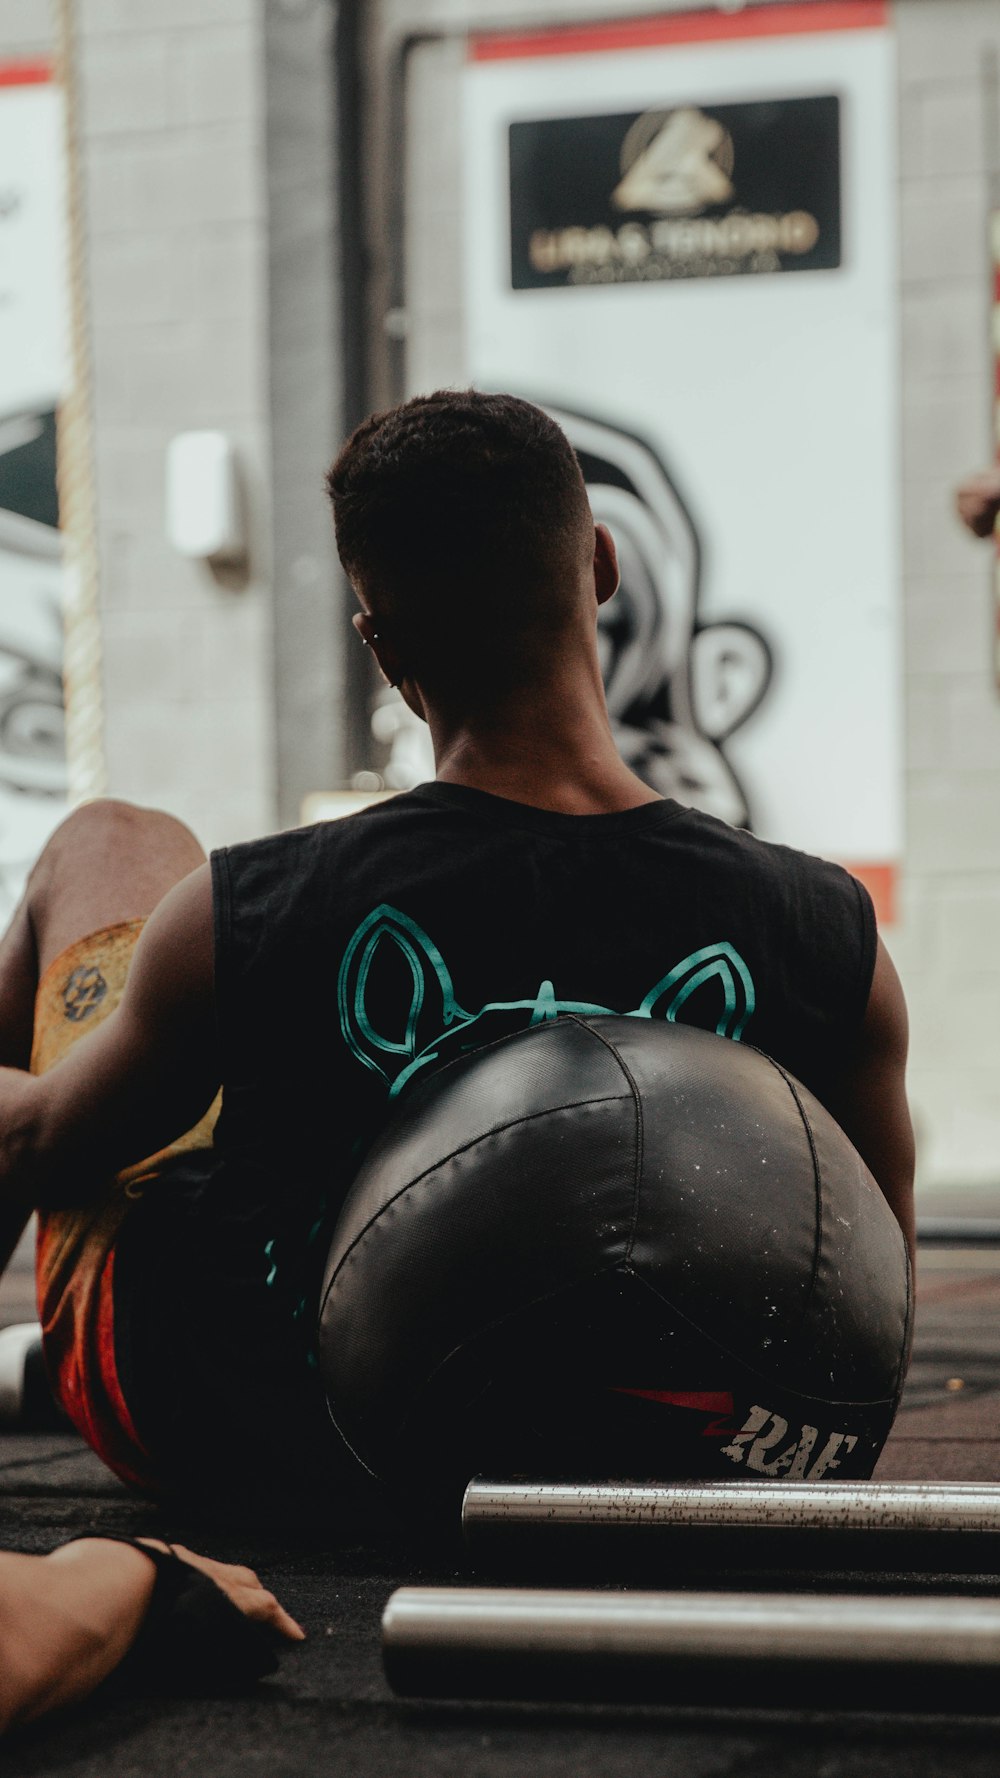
column 871, row 1525
column 726, row 1648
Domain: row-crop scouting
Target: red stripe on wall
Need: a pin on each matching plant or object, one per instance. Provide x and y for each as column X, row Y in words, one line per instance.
column 25, row 73
column 881, row 882
column 684, row 27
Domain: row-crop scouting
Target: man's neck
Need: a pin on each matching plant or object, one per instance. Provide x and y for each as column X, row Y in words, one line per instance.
column 564, row 760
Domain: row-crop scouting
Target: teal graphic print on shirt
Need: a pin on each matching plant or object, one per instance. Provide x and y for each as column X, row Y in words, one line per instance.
column 434, row 1004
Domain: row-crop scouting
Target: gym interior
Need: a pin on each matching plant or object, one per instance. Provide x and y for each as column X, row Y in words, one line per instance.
column 229, row 230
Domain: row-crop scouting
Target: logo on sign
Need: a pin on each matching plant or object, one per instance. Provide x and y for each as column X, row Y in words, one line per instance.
column 675, row 163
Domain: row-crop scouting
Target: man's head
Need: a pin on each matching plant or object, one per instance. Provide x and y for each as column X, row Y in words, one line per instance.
column 463, row 523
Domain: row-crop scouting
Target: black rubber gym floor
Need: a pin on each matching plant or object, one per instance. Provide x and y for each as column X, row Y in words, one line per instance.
column 329, row 1709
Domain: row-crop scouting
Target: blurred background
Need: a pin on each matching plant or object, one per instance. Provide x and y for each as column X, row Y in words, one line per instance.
column 748, row 254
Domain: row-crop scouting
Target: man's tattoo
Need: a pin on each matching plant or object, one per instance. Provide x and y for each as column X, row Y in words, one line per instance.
column 83, row 993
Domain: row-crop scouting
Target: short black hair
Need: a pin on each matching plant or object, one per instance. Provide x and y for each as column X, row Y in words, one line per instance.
column 460, row 513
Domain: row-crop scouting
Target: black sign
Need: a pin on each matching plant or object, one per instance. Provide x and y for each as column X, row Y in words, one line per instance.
column 686, row 192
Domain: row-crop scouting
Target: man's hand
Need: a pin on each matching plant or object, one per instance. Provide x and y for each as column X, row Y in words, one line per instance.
column 241, row 1585
column 977, row 501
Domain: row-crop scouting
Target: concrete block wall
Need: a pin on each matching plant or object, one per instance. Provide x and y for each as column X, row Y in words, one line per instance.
column 435, row 355
column 207, row 132
column 946, row 943
column 172, row 145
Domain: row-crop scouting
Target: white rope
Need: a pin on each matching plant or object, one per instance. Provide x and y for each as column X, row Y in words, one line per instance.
column 86, row 770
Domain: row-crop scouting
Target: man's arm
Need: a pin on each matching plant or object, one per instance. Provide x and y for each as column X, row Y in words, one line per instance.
column 138, row 1082
column 871, row 1104
column 69, row 1618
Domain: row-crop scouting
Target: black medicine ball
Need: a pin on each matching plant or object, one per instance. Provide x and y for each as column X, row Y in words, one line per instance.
column 612, row 1247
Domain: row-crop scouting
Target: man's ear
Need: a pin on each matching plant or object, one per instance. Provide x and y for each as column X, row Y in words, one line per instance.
column 366, row 624
column 607, row 576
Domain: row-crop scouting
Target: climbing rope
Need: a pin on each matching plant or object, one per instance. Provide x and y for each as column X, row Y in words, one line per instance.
column 86, row 770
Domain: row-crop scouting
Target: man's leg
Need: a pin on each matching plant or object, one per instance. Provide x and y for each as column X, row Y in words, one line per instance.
column 106, row 863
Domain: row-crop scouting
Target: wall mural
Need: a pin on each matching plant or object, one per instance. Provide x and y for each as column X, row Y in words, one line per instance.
column 676, row 688
column 33, row 375
column 32, row 725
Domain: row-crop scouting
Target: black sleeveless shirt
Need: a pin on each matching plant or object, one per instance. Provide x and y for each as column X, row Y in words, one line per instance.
column 354, row 956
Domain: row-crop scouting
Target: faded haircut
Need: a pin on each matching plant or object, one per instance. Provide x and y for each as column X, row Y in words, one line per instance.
column 463, row 521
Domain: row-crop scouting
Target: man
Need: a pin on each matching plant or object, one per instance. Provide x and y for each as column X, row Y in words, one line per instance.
column 313, row 975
